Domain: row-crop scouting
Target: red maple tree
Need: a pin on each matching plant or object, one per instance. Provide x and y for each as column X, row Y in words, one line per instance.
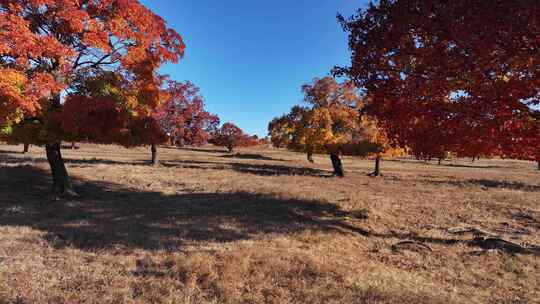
column 57, row 48
column 450, row 75
column 183, row 116
column 231, row 136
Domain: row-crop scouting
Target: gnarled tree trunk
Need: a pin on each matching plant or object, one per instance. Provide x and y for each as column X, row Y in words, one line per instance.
column 377, row 170
column 336, row 163
column 155, row 155
column 61, row 181
column 310, row 156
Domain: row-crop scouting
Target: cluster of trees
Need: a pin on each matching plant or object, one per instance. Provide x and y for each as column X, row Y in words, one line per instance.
column 436, row 80
column 88, row 71
column 81, row 70
column 332, row 123
column 433, row 76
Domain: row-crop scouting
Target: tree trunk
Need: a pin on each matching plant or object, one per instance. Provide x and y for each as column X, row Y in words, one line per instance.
column 180, row 142
column 336, row 163
column 155, row 155
column 61, row 181
column 26, row 148
column 310, row 157
column 73, row 145
column 377, row 170
column 230, row 148
column 440, row 159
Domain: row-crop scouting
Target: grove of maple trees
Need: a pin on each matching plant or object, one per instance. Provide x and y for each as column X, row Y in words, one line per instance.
column 332, row 123
column 460, row 76
column 420, row 82
column 84, row 70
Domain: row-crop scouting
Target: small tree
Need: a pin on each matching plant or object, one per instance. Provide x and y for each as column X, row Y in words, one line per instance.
column 183, row 116
column 231, row 136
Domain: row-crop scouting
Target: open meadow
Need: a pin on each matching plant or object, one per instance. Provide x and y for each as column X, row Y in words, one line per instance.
column 266, row 226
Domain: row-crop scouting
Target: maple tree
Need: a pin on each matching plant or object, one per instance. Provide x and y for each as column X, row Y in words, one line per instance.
column 231, row 136
column 441, row 78
column 183, row 116
column 53, row 51
column 525, row 142
column 333, row 123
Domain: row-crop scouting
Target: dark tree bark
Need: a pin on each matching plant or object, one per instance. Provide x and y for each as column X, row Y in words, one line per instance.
column 230, row 148
column 310, row 157
column 180, row 143
column 61, row 181
column 336, row 163
column 377, row 170
column 155, row 155
column 26, row 148
column 440, row 159
column 62, row 185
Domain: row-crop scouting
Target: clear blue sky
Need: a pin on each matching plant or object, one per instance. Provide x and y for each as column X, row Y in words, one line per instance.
column 250, row 57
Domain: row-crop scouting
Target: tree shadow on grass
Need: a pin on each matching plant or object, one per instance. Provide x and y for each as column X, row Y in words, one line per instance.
column 84, row 162
column 249, row 168
column 195, row 149
column 112, row 216
column 444, row 164
column 252, row 156
column 487, row 183
column 269, row 170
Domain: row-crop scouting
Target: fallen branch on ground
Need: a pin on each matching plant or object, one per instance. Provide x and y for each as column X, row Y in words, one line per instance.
column 411, row 245
column 464, row 230
column 503, row 245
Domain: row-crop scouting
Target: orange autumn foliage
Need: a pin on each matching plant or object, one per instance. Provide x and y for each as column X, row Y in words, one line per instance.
column 47, row 47
column 332, row 124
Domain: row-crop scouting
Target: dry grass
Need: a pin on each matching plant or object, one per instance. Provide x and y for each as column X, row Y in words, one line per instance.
column 263, row 226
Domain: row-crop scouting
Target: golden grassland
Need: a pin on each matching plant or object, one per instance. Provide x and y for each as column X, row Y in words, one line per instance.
column 264, row 226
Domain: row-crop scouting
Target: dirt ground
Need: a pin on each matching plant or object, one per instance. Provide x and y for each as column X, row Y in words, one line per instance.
column 266, row 226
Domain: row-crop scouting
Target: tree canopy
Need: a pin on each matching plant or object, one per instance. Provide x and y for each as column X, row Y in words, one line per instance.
column 332, row 123
column 450, row 75
column 183, row 116
column 231, row 136
column 57, row 60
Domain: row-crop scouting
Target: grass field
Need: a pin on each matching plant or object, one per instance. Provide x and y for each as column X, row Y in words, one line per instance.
column 264, row 226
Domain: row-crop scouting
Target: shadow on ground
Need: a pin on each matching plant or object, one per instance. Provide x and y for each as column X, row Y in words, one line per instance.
column 109, row 215
column 249, row 168
column 112, row 216
column 443, row 164
column 488, row 183
column 252, row 156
